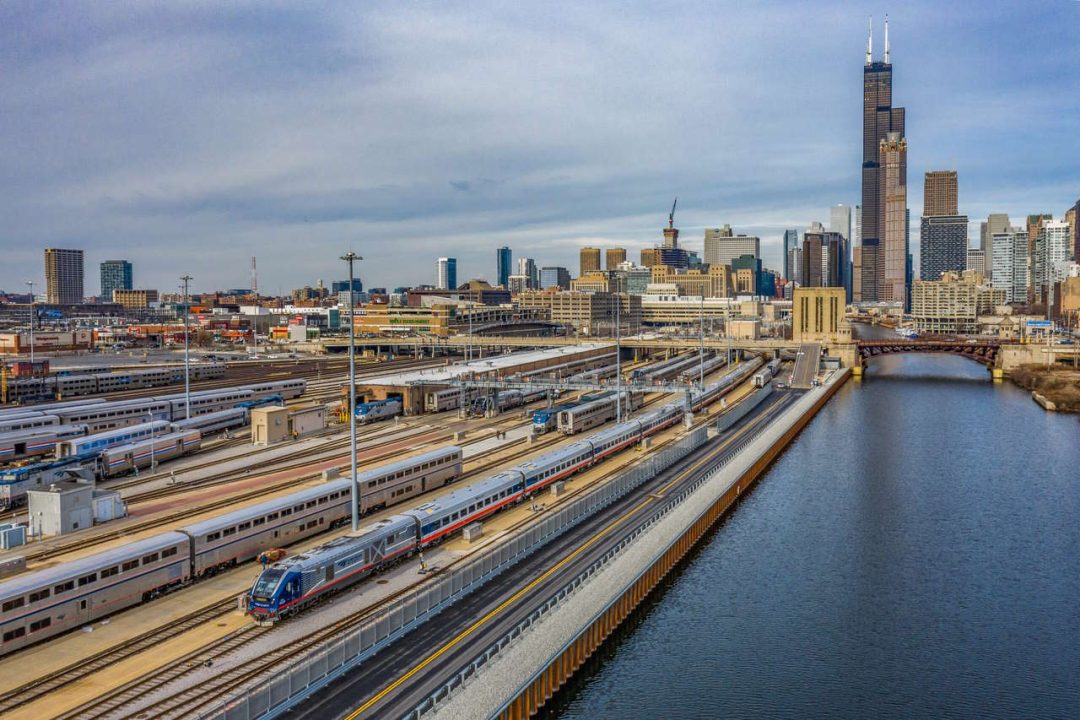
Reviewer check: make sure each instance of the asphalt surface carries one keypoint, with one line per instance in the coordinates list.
(806, 365)
(400, 676)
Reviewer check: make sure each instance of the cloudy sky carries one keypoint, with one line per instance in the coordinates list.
(190, 136)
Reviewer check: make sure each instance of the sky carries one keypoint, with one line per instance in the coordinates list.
(188, 137)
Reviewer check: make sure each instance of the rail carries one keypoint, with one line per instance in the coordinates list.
(318, 668)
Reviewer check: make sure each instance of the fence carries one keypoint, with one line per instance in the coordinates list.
(319, 667)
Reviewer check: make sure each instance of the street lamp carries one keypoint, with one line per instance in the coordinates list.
(187, 353)
(350, 258)
(153, 462)
(31, 284)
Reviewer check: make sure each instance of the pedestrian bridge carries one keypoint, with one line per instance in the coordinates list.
(981, 351)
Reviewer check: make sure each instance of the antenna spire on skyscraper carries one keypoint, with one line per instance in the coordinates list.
(870, 40)
(886, 38)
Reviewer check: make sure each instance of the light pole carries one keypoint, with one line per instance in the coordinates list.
(153, 463)
(618, 358)
(701, 333)
(350, 258)
(187, 353)
(31, 284)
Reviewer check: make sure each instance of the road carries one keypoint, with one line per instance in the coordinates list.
(402, 675)
(806, 365)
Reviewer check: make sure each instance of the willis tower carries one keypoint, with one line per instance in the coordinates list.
(880, 120)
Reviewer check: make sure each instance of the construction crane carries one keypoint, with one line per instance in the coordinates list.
(671, 215)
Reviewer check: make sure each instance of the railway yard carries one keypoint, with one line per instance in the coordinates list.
(192, 631)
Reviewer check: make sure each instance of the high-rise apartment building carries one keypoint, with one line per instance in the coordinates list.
(1053, 249)
(613, 257)
(503, 260)
(1011, 271)
(995, 224)
(63, 276)
(1034, 225)
(1076, 231)
(554, 277)
(823, 259)
(893, 230)
(446, 272)
(590, 260)
(721, 249)
(940, 193)
(115, 275)
(943, 246)
(976, 262)
(856, 230)
(791, 240)
(880, 119)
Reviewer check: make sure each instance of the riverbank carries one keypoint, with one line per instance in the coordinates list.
(1057, 385)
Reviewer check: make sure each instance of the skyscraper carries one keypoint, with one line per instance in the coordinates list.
(1010, 270)
(721, 249)
(115, 275)
(613, 257)
(1053, 248)
(879, 119)
(893, 228)
(791, 240)
(589, 260)
(1034, 225)
(840, 220)
(940, 194)
(503, 259)
(527, 267)
(995, 224)
(554, 277)
(63, 276)
(446, 268)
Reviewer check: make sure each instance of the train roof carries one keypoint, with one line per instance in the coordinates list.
(465, 495)
(156, 424)
(556, 456)
(345, 544)
(127, 447)
(408, 462)
(267, 506)
(39, 431)
(15, 473)
(212, 416)
(49, 407)
(26, 582)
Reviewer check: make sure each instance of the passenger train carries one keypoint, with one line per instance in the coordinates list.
(43, 603)
(122, 459)
(766, 374)
(291, 584)
(78, 384)
(597, 412)
(24, 444)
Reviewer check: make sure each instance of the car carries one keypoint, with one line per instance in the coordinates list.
(780, 385)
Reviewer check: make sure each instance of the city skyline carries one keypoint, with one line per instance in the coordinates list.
(270, 157)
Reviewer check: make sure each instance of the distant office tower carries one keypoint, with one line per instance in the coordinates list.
(447, 272)
(650, 257)
(748, 274)
(795, 264)
(940, 194)
(879, 119)
(63, 276)
(503, 259)
(976, 261)
(614, 257)
(1034, 225)
(892, 274)
(115, 275)
(527, 267)
(840, 220)
(554, 277)
(856, 232)
(823, 259)
(590, 260)
(1076, 231)
(721, 249)
(340, 286)
(1010, 270)
(791, 240)
(712, 243)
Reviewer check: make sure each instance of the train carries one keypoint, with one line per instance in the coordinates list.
(122, 459)
(762, 378)
(216, 421)
(449, 398)
(377, 410)
(100, 416)
(596, 412)
(705, 368)
(665, 369)
(44, 603)
(505, 400)
(80, 384)
(289, 585)
(33, 442)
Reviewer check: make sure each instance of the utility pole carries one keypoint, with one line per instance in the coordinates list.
(187, 351)
(31, 284)
(701, 333)
(350, 258)
(618, 358)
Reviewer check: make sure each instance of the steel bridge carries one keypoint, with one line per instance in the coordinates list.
(981, 351)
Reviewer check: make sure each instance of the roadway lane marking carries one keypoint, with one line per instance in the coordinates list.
(552, 570)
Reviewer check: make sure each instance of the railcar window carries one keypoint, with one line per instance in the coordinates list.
(64, 587)
(258, 521)
(151, 558)
(309, 504)
(210, 537)
(12, 604)
(39, 624)
(244, 526)
(129, 565)
(229, 531)
(272, 516)
(287, 511)
(169, 552)
(39, 595)
(14, 634)
(109, 572)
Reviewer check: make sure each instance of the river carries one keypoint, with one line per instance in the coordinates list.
(914, 553)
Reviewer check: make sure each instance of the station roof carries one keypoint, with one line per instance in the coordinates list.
(442, 375)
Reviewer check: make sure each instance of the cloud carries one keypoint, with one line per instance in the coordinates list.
(189, 137)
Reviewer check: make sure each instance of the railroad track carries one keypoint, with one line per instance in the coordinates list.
(102, 660)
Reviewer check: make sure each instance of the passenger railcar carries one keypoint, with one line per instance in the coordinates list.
(40, 604)
(215, 421)
(27, 423)
(127, 458)
(109, 416)
(706, 368)
(22, 444)
(448, 399)
(399, 481)
(96, 442)
(597, 412)
(287, 389)
(16, 481)
(46, 408)
(208, 403)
